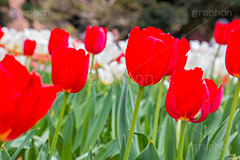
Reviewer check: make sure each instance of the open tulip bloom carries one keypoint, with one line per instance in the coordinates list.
(24, 101)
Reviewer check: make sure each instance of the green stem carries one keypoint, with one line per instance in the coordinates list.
(230, 121)
(214, 60)
(55, 137)
(90, 77)
(134, 119)
(155, 124)
(181, 140)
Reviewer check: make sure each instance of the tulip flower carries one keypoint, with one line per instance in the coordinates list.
(147, 55)
(232, 61)
(188, 96)
(58, 39)
(1, 33)
(95, 39)
(70, 69)
(69, 73)
(216, 94)
(29, 47)
(221, 33)
(187, 99)
(179, 58)
(24, 99)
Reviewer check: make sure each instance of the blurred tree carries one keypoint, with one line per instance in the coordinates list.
(3, 12)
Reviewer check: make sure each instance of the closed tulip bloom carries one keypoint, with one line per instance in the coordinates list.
(234, 24)
(24, 99)
(232, 59)
(179, 58)
(188, 97)
(221, 33)
(147, 55)
(58, 38)
(70, 69)
(29, 47)
(216, 94)
(95, 39)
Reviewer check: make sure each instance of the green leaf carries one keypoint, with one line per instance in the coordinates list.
(90, 155)
(197, 137)
(67, 141)
(25, 141)
(149, 153)
(170, 139)
(122, 114)
(162, 137)
(123, 147)
(4, 154)
(190, 155)
(108, 150)
(202, 149)
(89, 112)
(99, 123)
(142, 141)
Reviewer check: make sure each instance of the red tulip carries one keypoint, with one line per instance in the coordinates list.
(24, 100)
(188, 97)
(70, 69)
(29, 47)
(148, 54)
(179, 58)
(95, 39)
(232, 59)
(221, 33)
(216, 94)
(234, 24)
(1, 33)
(58, 39)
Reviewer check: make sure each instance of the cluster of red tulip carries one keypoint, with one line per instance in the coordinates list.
(151, 54)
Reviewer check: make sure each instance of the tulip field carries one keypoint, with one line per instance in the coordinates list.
(150, 97)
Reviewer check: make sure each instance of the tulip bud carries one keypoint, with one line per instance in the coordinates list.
(70, 69)
(95, 39)
(29, 47)
(58, 39)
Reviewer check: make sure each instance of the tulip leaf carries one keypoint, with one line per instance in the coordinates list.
(90, 155)
(202, 149)
(89, 112)
(190, 155)
(162, 137)
(150, 152)
(25, 141)
(100, 122)
(170, 139)
(123, 147)
(4, 153)
(115, 111)
(67, 141)
(108, 150)
(142, 141)
(122, 114)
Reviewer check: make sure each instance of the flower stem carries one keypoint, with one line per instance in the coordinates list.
(55, 137)
(155, 124)
(134, 119)
(90, 77)
(230, 121)
(214, 60)
(181, 141)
